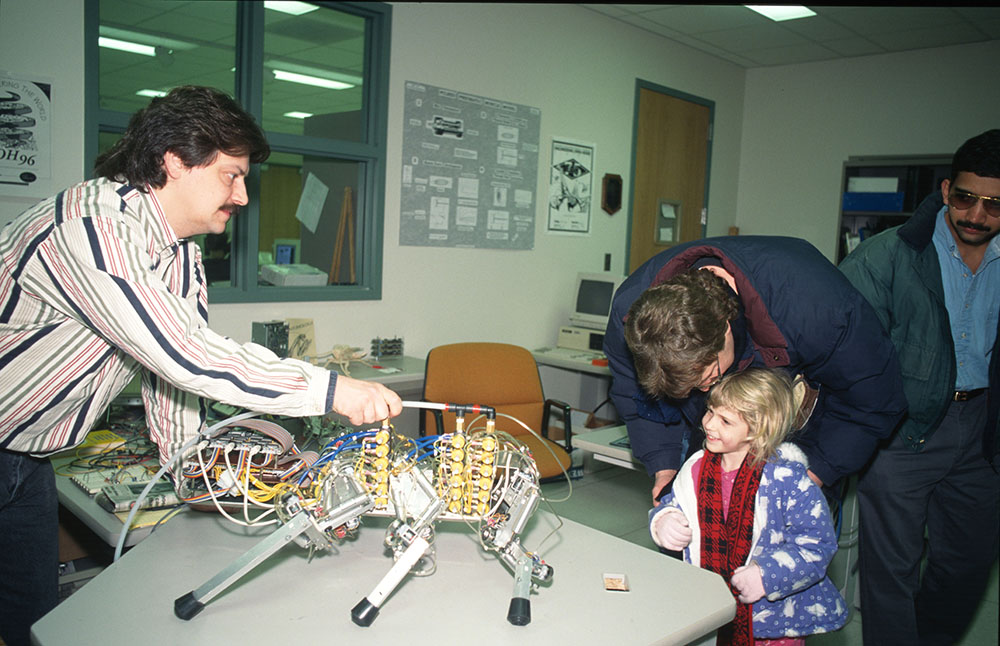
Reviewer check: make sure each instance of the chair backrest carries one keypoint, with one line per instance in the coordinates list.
(500, 375)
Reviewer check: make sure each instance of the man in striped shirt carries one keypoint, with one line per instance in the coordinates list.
(102, 282)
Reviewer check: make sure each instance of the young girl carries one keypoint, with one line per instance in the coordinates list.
(744, 507)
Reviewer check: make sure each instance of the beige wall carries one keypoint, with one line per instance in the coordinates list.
(780, 137)
(801, 122)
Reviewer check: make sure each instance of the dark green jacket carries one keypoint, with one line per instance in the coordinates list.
(898, 272)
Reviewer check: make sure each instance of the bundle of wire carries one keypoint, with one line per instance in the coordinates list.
(245, 478)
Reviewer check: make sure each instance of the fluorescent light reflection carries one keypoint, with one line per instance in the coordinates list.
(151, 93)
(306, 79)
(297, 115)
(126, 46)
(290, 7)
(780, 12)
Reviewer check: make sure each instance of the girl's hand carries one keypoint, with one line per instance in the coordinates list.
(749, 582)
(671, 530)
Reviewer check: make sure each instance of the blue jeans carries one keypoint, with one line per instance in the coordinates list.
(29, 544)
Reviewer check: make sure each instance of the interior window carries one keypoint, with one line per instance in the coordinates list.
(315, 75)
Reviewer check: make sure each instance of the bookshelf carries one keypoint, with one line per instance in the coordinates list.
(882, 191)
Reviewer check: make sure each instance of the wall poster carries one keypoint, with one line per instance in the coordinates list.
(25, 136)
(470, 170)
(571, 180)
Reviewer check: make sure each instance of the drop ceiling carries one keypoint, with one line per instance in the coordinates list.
(741, 36)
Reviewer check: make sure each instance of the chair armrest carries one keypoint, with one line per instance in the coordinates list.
(438, 422)
(567, 422)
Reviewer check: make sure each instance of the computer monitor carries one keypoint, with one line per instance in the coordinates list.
(286, 251)
(592, 299)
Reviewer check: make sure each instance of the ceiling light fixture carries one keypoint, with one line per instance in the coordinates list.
(290, 7)
(323, 73)
(143, 38)
(126, 46)
(305, 79)
(297, 115)
(779, 12)
(151, 93)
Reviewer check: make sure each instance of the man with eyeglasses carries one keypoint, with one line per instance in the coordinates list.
(935, 284)
(713, 306)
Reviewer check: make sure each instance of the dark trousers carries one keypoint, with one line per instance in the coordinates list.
(949, 493)
(29, 544)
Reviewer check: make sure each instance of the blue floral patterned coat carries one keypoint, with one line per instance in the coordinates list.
(793, 543)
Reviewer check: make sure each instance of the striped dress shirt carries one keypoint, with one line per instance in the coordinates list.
(95, 287)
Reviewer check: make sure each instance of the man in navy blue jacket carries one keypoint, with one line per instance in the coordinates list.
(702, 309)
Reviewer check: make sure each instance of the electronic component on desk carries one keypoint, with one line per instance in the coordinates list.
(241, 439)
(121, 497)
(387, 347)
(93, 481)
(577, 338)
(592, 299)
(293, 275)
(273, 335)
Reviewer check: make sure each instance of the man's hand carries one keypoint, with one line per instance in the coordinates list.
(364, 402)
(671, 530)
(814, 478)
(749, 582)
(661, 480)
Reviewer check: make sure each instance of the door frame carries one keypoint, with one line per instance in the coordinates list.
(640, 85)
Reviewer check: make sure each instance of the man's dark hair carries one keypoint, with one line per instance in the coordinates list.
(677, 329)
(979, 156)
(195, 123)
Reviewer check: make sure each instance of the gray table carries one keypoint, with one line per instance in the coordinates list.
(290, 599)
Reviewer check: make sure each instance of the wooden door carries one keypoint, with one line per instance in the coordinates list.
(671, 155)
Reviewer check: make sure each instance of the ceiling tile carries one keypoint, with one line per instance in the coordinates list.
(940, 36)
(854, 46)
(743, 39)
(818, 28)
(698, 19)
(889, 19)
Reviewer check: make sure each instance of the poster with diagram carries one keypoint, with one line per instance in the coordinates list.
(470, 170)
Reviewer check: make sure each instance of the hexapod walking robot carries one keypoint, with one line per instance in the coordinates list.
(483, 477)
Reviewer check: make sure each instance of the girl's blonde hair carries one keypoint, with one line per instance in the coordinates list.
(763, 398)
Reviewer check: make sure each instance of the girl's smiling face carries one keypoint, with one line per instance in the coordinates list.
(726, 433)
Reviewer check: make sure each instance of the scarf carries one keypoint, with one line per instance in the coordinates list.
(725, 541)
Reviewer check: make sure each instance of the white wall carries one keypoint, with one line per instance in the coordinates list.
(801, 122)
(781, 135)
(577, 66)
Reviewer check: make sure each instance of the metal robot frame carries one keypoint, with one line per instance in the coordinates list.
(484, 476)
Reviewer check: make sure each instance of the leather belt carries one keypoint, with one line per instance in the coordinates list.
(966, 395)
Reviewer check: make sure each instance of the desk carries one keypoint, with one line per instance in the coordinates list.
(288, 598)
(408, 382)
(579, 360)
(599, 442)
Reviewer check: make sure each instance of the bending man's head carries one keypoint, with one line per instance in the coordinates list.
(676, 331)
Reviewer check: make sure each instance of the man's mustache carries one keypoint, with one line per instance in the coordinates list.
(971, 225)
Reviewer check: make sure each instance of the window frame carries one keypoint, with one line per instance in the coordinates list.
(369, 152)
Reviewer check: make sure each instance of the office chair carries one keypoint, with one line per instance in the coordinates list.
(505, 377)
